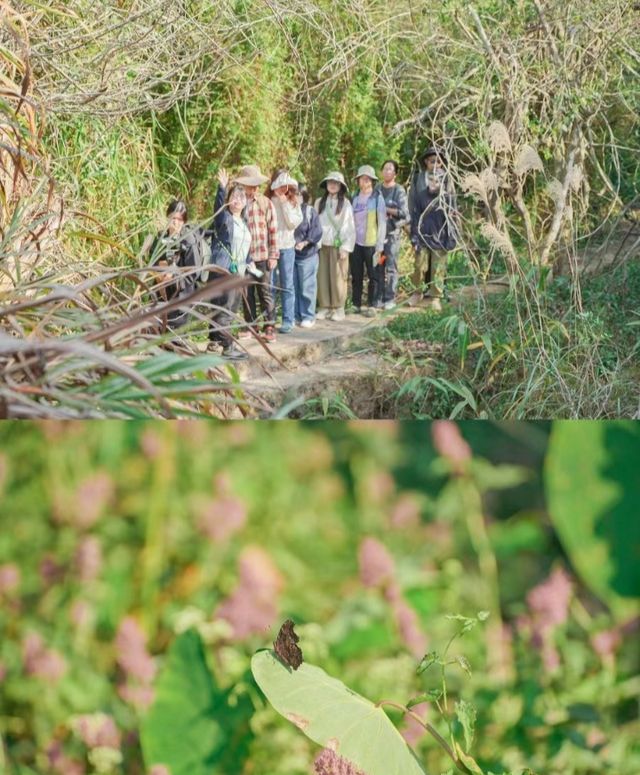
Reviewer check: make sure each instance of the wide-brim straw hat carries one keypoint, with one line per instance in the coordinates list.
(284, 179)
(367, 170)
(250, 175)
(337, 177)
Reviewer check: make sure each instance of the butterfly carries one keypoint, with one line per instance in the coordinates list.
(285, 646)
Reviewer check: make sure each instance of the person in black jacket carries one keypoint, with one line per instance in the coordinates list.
(432, 208)
(173, 252)
(230, 253)
(307, 237)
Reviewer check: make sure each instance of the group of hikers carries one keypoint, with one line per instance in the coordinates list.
(282, 243)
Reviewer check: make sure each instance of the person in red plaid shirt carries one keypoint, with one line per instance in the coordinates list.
(261, 219)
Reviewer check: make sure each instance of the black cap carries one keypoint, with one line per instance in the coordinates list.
(433, 150)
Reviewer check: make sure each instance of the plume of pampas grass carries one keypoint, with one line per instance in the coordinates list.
(498, 137)
(489, 179)
(555, 190)
(497, 239)
(527, 159)
(472, 184)
(575, 178)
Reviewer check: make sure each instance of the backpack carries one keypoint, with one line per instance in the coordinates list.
(199, 239)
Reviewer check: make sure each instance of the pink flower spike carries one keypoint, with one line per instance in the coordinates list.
(328, 762)
(9, 577)
(376, 564)
(449, 443)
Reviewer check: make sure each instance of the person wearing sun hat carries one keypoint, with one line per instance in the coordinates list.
(261, 218)
(338, 238)
(283, 192)
(370, 217)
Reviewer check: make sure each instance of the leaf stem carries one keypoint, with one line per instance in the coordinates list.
(430, 729)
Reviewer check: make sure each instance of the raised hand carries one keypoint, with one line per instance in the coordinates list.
(223, 177)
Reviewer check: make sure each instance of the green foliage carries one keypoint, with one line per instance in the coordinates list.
(304, 497)
(194, 727)
(593, 489)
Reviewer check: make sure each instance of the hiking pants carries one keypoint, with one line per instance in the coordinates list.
(333, 273)
(262, 289)
(430, 271)
(387, 273)
(360, 260)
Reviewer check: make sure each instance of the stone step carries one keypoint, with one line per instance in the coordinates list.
(351, 374)
(305, 346)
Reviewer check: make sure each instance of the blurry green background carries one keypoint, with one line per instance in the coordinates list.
(117, 537)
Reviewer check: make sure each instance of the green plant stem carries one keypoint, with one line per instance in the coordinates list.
(481, 543)
(430, 729)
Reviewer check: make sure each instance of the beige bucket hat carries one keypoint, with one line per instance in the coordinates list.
(337, 177)
(284, 179)
(367, 170)
(250, 175)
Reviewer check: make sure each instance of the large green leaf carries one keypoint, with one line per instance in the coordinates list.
(193, 727)
(592, 483)
(334, 716)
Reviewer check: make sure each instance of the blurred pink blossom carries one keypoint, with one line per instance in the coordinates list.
(9, 577)
(151, 443)
(159, 769)
(137, 664)
(409, 628)
(607, 642)
(51, 571)
(139, 695)
(91, 499)
(88, 558)
(328, 762)
(131, 652)
(97, 730)
(405, 512)
(81, 613)
(221, 517)
(376, 564)
(252, 606)
(41, 662)
(549, 608)
(449, 443)
(549, 600)
(378, 486)
(411, 729)
(60, 763)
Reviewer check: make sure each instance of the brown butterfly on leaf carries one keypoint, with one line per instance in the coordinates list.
(285, 646)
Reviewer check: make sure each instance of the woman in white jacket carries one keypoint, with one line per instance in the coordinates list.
(284, 195)
(338, 240)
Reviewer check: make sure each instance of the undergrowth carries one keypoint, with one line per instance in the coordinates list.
(508, 356)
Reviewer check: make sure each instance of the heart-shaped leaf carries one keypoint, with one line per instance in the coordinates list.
(334, 716)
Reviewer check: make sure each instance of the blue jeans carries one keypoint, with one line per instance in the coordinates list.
(285, 283)
(305, 279)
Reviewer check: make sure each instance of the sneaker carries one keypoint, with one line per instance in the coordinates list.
(370, 312)
(390, 305)
(414, 299)
(356, 310)
(435, 304)
(285, 328)
(322, 314)
(244, 333)
(213, 347)
(269, 334)
(307, 323)
(232, 353)
(338, 314)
